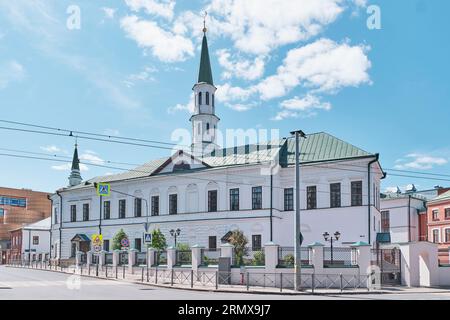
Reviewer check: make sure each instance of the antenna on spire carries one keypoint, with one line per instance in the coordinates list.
(76, 141)
(204, 22)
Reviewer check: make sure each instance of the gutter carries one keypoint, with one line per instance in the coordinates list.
(51, 223)
(409, 218)
(60, 225)
(271, 207)
(369, 165)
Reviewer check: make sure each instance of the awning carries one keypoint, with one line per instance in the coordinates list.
(81, 237)
(383, 237)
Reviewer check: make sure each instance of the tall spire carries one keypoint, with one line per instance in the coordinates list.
(205, 73)
(75, 176)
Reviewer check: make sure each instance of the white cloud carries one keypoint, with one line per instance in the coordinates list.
(92, 157)
(258, 28)
(68, 167)
(143, 76)
(226, 93)
(323, 65)
(109, 12)
(162, 8)
(240, 107)
(11, 71)
(111, 132)
(301, 107)
(420, 162)
(51, 149)
(189, 107)
(165, 45)
(240, 68)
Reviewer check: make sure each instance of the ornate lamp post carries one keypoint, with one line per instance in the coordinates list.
(331, 238)
(175, 234)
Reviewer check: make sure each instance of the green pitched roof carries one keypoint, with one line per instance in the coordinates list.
(205, 73)
(444, 196)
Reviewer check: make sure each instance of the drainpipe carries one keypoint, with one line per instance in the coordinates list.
(271, 207)
(60, 225)
(377, 156)
(409, 218)
(51, 224)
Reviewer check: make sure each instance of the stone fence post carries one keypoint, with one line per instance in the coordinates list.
(131, 259)
(171, 257)
(89, 257)
(78, 258)
(151, 257)
(362, 256)
(317, 256)
(196, 256)
(271, 257)
(101, 258)
(116, 258)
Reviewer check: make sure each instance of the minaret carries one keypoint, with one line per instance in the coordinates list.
(75, 176)
(204, 120)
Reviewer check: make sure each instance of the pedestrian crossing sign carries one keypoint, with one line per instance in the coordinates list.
(147, 237)
(103, 189)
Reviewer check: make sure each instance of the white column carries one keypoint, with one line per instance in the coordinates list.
(131, 259)
(89, 257)
(116, 257)
(363, 256)
(171, 257)
(78, 258)
(101, 258)
(271, 256)
(226, 250)
(196, 256)
(150, 257)
(317, 257)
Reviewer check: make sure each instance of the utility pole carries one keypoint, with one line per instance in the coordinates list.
(297, 243)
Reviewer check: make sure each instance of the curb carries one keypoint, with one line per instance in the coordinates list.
(218, 290)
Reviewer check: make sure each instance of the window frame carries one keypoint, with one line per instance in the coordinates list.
(35, 240)
(214, 247)
(122, 205)
(137, 207)
(335, 196)
(212, 201)
(106, 213)
(311, 197)
(435, 214)
(357, 193)
(385, 226)
(73, 213)
(155, 205)
(437, 235)
(288, 199)
(234, 199)
(256, 239)
(173, 204)
(257, 193)
(86, 211)
(447, 213)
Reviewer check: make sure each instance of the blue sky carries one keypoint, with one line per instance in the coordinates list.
(315, 65)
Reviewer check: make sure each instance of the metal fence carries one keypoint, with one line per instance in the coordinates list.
(339, 257)
(95, 259)
(141, 258)
(108, 258)
(248, 257)
(210, 256)
(183, 257)
(123, 258)
(83, 258)
(160, 258)
(286, 257)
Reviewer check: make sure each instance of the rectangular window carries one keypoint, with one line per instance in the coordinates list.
(137, 244)
(212, 242)
(436, 235)
(85, 211)
(173, 204)
(256, 242)
(435, 215)
(14, 202)
(385, 221)
(289, 199)
(234, 199)
(311, 197)
(73, 250)
(335, 195)
(122, 208)
(106, 245)
(356, 187)
(212, 201)
(155, 205)
(35, 240)
(107, 210)
(447, 213)
(256, 198)
(447, 235)
(56, 215)
(73, 213)
(137, 207)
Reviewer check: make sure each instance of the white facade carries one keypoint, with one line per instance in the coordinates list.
(36, 237)
(403, 211)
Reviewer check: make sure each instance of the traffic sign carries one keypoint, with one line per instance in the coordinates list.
(97, 239)
(147, 237)
(103, 189)
(124, 242)
(97, 249)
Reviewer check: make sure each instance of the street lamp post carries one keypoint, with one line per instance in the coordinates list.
(330, 239)
(297, 243)
(175, 234)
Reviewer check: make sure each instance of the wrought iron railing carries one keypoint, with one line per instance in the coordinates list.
(183, 257)
(83, 258)
(286, 256)
(210, 256)
(108, 258)
(160, 258)
(339, 257)
(248, 257)
(123, 258)
(141, 258)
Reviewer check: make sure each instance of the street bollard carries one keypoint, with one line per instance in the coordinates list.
(171, 278)
(192, 278)
(123, 272)
(340, 276)
(142, 277)
(96, 271)
(116, 272)
(217, 280)
(281, 282)
(156, 275)
(147, 272)
(106, 271)
(248, 282)
(313, 282)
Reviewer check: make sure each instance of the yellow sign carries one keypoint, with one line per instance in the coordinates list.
(97, 240)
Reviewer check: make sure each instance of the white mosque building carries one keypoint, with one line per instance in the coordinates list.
(208, 192)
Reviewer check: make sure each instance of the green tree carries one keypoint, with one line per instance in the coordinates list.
(118, 238)
(239, 242)
(259, 258)
(158, 240)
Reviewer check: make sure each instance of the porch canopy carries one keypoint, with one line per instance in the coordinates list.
(80, 237)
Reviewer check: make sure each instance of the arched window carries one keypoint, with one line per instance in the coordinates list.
(207, 126)
(199, 98)
(207, 98)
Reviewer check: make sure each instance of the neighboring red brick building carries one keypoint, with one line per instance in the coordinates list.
(438, 221)
(19, 207)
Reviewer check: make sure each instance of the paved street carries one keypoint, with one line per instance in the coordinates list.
(34, 284)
